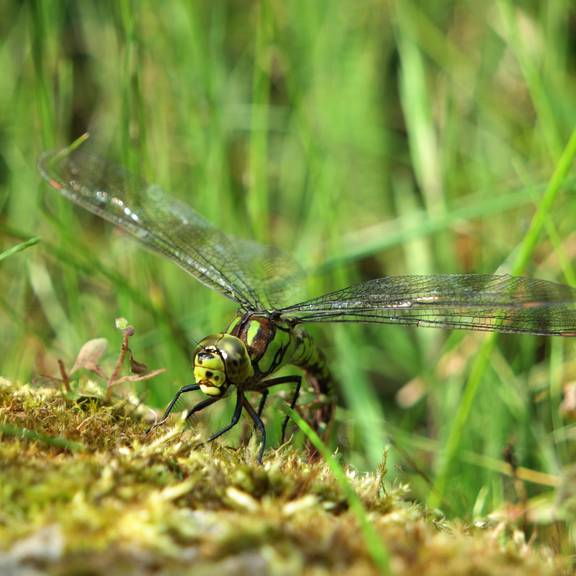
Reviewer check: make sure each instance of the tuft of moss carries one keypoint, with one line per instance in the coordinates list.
(84, 490)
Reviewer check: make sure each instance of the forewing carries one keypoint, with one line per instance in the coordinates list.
(278, 277)
(168, 226)
(471, 301)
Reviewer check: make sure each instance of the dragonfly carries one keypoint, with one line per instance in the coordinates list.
(269, 329)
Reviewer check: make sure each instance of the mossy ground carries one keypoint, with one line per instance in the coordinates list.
(85, 491)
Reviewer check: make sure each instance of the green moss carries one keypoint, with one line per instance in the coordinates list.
(107, 499)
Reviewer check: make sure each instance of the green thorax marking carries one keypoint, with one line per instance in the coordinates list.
(272, 343)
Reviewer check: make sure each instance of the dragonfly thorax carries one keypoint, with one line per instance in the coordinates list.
(221, 360)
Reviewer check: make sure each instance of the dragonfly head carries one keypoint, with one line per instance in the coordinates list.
(219, 361)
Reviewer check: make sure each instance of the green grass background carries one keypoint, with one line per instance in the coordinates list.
(366, 138)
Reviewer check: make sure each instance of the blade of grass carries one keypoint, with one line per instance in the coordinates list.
(374, 543)
(134, 121)
(44, 100)
(548, 117)
(359, 394)
(539, 220)
(32, 435)
(19, 247)
(258, 199)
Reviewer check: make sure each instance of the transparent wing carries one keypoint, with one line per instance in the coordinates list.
(257, 277)
(471, 301)
(277, 277)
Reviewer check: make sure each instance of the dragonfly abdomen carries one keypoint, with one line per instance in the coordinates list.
(312, 360)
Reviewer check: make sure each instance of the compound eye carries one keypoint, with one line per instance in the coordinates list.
(203, 356)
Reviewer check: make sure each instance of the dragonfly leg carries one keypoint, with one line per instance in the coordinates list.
(183, 390)
(262, 401)
(257, 424)
(201, 406)
(233, 422)
(297, 380)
